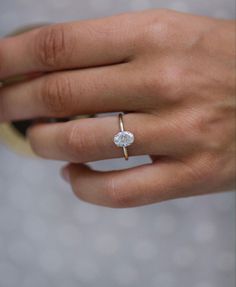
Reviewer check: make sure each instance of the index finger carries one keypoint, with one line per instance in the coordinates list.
(69, 45)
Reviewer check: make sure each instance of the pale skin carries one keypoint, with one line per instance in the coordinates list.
(172, 73)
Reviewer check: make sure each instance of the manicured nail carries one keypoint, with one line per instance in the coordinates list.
(65, 174)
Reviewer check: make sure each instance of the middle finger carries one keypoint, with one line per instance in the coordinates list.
(62, 94)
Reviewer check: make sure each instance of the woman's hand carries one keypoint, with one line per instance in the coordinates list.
(173, 73)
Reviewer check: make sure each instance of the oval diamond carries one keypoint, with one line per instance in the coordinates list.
(123, 139)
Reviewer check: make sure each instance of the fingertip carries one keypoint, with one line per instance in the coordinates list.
(71, 171)
(33, 129)
(65, 174)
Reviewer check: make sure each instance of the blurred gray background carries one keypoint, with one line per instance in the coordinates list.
(48, 238)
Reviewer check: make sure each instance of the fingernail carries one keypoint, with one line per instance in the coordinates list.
(65, 174)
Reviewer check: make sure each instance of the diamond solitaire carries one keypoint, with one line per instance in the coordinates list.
(123, 139)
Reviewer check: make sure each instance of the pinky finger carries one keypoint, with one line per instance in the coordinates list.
(132, 187)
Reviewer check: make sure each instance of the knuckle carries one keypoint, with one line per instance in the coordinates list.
(56, 95)
(152, 84)
(79, 141)
(151, 89)
(53, 46)
(168, 83)
(204, 124)
(205, 168)
(160, 31)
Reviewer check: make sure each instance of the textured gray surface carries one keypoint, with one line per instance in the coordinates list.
(48, 238)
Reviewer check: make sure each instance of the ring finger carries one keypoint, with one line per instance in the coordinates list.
(88, 140)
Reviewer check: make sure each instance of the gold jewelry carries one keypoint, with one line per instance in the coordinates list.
(124, 138)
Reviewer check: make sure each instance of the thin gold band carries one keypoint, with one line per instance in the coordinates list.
(121, 123)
